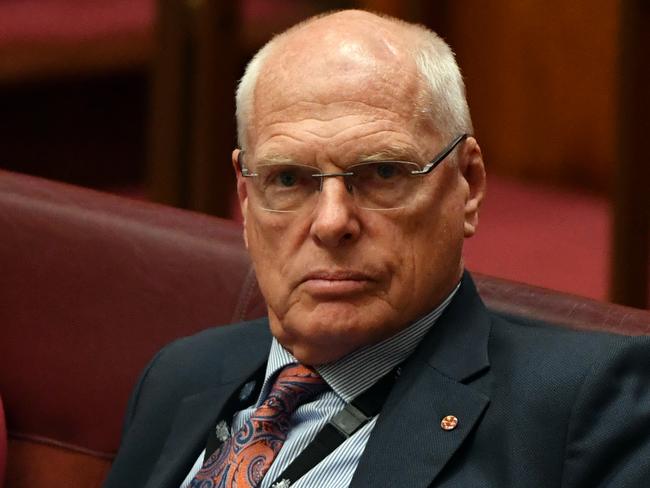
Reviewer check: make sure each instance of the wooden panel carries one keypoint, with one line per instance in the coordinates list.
(541, 82)
(170, 116)
(217, 52)
(39, 60)
(45, 40)
(404, 9)
(192, 125)
(631, 236)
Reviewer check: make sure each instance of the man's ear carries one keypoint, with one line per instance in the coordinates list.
(472, 170)
(242, 194)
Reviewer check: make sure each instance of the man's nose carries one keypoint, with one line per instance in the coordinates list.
(335, 220)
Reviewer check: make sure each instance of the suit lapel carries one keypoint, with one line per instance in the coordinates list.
(194, 419)
(408, 446)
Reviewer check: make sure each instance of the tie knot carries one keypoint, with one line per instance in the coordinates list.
(295, 385)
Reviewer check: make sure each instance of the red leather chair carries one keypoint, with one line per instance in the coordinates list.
(91, 285)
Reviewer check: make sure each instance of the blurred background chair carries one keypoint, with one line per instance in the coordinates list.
(93, 284)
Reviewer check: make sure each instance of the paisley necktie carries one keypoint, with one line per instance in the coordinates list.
(243, 459)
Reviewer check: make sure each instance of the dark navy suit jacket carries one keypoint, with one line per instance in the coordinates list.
(538, 406)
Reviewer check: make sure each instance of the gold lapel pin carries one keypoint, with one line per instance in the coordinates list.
(449, 422)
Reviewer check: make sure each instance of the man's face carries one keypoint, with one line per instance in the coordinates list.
(337, 277)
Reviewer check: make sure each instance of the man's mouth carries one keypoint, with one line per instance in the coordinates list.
(335, 283)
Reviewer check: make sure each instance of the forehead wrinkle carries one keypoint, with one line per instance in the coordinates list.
(392, 153)
(343, 131)
(320, 111)
(272, 120)
(296, 130)
(399, 149)
(275, 158)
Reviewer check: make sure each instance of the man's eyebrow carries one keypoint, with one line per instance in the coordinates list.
(396, 153)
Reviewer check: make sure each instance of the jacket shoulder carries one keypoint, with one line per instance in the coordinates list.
(228, 342)
(551, 363)
(197, 362)
(556, 340)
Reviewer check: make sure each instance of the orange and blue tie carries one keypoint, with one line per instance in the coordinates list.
(243, 459)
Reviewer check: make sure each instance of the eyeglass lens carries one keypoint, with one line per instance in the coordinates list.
(373, 185)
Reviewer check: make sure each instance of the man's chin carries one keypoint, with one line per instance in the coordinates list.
(328, 333)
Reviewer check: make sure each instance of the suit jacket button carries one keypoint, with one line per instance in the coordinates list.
(449, 422)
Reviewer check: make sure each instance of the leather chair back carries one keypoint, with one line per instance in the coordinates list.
(91, 286)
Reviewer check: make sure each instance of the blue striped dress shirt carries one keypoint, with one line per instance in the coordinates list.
(347, 378)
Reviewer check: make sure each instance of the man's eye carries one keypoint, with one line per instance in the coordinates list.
(386, 170)
(286, 178)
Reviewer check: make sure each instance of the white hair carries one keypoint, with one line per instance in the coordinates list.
(444, 101)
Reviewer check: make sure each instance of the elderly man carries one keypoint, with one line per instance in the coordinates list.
(378, 365)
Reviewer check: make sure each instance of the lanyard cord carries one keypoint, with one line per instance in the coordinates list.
(343, 425)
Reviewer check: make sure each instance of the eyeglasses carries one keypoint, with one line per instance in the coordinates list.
(374, 185)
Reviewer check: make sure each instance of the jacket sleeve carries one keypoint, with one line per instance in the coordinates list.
(132, 405)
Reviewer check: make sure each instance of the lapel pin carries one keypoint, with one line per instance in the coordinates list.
(449, 422)
(246, 390)
(222, 431)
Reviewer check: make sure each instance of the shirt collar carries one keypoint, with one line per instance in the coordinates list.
(355, 373)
